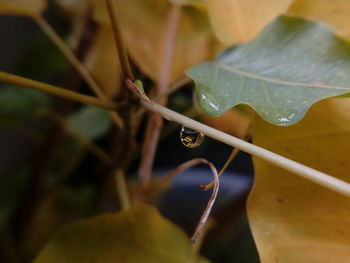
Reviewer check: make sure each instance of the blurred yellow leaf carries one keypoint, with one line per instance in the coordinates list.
(292, 219)
(144, 26)
(43, 224)
(238, 21)
(138, 235)
(102, 59)
(76, 11)
(335, 13)
(232, 122)
(22, 7)
(103, 63)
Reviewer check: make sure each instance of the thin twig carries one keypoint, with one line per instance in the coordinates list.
(69, 54)
(155, 121)
(63, 93)
(311, 174)
(173, 87)
(122, 189)
(233, 155)
(121, 50)
(306, 172)
(127, 73)
(91, 145)
(208, 208)
(196, 246)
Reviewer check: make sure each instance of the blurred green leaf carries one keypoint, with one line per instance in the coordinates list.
(139, 234)
(91, 122)
(50, 62)
(12, 187)
(23, 103)
(291, 65)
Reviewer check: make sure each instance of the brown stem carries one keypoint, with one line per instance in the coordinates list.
(75, 61)
(232, 156)
(155, 121)
(34, 192)
(205, 215)
(60, 92)
(121, 50)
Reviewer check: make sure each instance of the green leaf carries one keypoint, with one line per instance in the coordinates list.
(139, 234)
(291, 65)
(17, 102)
(12, 188)
(91, 122)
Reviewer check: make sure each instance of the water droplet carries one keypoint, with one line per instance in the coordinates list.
(190, 138)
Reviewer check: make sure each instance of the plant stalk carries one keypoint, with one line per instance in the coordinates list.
(311, 174)
(121, 50)
(63, 93)
(306, 172)
(68, 53)
(122, 189)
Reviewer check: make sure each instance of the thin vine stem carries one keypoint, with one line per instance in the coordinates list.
(306, 172)
(232, 156)
(84, 140)
(283, 162)
(68, 53)
(51, 89)
(205, 215)
(122, 189)
(119, 43)
(155, 121)
(173, 87)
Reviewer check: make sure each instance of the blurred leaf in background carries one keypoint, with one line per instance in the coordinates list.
(91, 122)
(18, 104)
(22, 7)
(239, 21)
(144, 22)
(334, 13)
(139, 234)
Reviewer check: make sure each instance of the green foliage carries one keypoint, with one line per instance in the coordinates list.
(24, 103)
(291, 65)
(12, 187)
(91, 122)
(140, 234)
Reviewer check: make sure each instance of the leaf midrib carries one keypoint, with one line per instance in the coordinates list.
(277, 81)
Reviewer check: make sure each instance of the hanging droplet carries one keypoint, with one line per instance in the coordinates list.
(190, 138)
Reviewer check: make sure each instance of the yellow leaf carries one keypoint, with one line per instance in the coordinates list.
(335, 13)
(292, 219)
(232, 122)
(103, 63)
(138, 235)
(22, 7)
(43, 224)
(144, 27)
(238, 21)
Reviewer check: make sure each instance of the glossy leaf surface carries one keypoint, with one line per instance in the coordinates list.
(291, 65)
